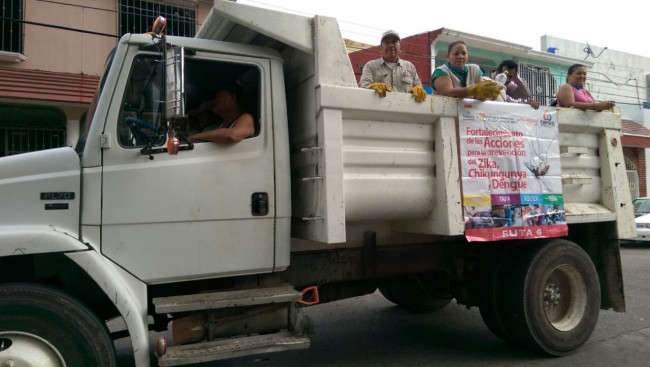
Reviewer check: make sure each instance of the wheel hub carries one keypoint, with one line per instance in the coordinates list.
(552, 294)
(564, 298)
(19, 349)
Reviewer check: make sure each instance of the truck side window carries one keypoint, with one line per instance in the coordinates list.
(142, 119)
(202, 77)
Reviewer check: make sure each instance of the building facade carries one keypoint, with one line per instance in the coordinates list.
(52, 54)
(624, 78)
(612, 76)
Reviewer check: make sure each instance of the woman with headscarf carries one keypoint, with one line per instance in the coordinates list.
(457, 78)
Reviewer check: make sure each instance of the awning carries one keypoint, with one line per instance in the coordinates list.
(635, 135)
(47, 85)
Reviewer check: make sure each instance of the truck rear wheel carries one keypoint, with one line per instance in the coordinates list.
(45, 327)
(552, 298)
(491, 295)
(416, 294)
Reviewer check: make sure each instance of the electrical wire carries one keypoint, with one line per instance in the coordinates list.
(61, 27)
(136, 10)
(77, 6)
(418, 47)
(414, 54)
(340, 21)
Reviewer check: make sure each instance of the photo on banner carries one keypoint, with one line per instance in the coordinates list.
(511, 174)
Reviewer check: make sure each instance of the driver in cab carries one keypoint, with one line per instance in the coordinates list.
(235, 124)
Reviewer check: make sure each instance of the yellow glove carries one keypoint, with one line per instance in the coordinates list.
(486, 89)
(380, 88)
(419, 93)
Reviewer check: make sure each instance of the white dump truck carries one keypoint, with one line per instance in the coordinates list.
(338, 193)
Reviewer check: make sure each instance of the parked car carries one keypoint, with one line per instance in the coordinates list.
(642, 228)
(641, 206)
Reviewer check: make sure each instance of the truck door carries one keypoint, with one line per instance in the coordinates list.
(206, 212)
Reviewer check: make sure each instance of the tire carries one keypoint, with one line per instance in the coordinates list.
(491, 295)
(415, 294)
(38, 321)
(385, 291)
(553, 297)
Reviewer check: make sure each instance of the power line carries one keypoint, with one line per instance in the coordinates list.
(339, 20)
(413, 55)
(61, 27)
(119, 12)
(310, 14)
(78, 6)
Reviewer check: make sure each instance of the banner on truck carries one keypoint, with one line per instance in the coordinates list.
(511, 175)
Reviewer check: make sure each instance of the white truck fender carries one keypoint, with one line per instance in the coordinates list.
(128, 294)
(29, 240)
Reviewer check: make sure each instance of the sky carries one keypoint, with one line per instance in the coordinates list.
(620, 25)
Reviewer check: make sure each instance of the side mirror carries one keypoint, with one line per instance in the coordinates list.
(174, 95)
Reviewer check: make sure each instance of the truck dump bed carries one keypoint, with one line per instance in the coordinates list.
(356, 158)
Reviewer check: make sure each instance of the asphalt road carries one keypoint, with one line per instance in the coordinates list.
(371, 331)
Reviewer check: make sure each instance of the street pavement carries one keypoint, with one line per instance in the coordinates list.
(371, 331)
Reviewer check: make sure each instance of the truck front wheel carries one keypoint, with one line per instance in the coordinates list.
(45, 327)
(552, 297)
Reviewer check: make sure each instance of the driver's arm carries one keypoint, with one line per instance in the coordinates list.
(243, 129)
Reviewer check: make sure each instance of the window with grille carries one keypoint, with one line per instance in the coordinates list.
(29, 128)
(11, 15)
(137, 16)
(541, 82)
(632, 178)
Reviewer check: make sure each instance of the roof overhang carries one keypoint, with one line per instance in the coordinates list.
(38, 85)
(635, 135)
(475, 41)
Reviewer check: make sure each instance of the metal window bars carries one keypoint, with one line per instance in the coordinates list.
(137, 16)
(541, 82)
(22, 140)
(11, 26)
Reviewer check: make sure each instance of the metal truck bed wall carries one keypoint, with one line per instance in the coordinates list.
(357, 158)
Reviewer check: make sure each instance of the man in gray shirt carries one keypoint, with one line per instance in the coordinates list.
(390, 73)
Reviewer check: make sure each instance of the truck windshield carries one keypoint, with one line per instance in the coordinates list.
(85, 128)
(142, 120)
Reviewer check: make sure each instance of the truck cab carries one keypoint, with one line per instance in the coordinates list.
(172, 207)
